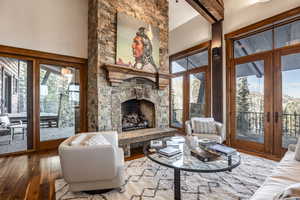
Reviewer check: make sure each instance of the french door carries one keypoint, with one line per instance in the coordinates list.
(265, 101)
(251, 103)
(286, 98)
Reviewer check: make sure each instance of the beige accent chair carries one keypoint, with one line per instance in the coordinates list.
(206, 128)
(96, 166)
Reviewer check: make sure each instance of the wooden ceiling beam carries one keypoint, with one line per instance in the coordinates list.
(211, 10)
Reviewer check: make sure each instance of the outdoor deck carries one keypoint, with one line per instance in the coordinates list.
(20, 144)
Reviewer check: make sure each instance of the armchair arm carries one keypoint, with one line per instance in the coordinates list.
(188, 128)
(88, 163)
(221, 130)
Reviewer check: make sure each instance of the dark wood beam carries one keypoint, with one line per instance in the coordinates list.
(217, 71)
(211, 10)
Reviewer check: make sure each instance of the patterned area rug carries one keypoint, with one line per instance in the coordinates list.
(146, 180)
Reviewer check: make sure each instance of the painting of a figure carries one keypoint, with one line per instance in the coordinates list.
(137, 44)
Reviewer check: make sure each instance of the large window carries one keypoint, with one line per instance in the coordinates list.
(264, 82)
(190, 87)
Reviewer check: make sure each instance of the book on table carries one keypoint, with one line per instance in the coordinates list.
(222, 149)
(169, 151)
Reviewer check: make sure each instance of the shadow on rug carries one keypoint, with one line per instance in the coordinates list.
(147, 180)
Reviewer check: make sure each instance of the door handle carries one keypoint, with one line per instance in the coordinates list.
(276, 116)
(268, 116)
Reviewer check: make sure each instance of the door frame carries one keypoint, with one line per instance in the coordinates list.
(35, 57)
(268, 108)
(43, 145)
(288, 50)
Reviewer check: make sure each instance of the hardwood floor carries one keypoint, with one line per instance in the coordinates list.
(32, 176)
(29, 176)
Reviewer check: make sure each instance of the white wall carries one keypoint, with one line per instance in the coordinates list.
(56, 26)
(240, 13)
(195, 31)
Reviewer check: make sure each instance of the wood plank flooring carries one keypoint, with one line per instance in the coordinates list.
(32, 176)
(29, 176)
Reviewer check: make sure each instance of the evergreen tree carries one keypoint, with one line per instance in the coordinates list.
(243, 95)
(243, 103)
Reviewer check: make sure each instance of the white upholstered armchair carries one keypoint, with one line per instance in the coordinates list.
(206, 128)
(92, 161)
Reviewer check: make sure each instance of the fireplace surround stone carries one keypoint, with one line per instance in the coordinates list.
(104, 100)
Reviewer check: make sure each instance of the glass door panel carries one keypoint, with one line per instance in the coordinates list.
(177, 102)
(290, 116)
(59, 102)
(15, 105)
(249, 100)
(197, 91)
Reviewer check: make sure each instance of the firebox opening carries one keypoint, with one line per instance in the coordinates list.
(137, 114)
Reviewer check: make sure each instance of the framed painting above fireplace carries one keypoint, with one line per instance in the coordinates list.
(137, 44)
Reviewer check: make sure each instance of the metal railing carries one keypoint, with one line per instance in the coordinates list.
(253, 123)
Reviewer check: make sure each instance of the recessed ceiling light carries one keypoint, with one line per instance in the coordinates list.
(262, 1)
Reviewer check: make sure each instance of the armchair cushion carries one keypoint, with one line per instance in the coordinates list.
(77, 140)
(97, 140)
(204, 125)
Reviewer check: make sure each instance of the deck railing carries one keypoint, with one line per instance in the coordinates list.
(253, 123)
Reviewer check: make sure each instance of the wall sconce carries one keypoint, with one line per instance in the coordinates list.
(217, 52)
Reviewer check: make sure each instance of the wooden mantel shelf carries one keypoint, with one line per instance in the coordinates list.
(118, 73)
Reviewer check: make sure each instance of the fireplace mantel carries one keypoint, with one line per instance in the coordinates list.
(118, 73)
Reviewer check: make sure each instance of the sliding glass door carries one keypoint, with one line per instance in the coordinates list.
(59, 102)
(15, 105)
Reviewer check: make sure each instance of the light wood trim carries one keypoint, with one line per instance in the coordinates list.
(41, 55)
(190, 51)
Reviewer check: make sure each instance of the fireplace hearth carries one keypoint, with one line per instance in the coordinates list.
(137, 114)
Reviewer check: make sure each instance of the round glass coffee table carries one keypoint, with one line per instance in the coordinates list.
(186, 162)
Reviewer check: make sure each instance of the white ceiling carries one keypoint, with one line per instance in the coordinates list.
(180, 13)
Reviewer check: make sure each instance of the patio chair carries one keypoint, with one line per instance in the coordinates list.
(6, 123)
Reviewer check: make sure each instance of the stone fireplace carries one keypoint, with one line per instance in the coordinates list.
(111, 88)
(138, 95)
(137, 114)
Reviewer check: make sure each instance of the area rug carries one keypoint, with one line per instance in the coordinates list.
(146, 180)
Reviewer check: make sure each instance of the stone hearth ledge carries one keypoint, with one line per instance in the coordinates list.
(143, 135)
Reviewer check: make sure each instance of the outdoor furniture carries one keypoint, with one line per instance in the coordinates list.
(186, 162)
(46, 119)
(206, 128)
(5, 131)
(7, 124)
